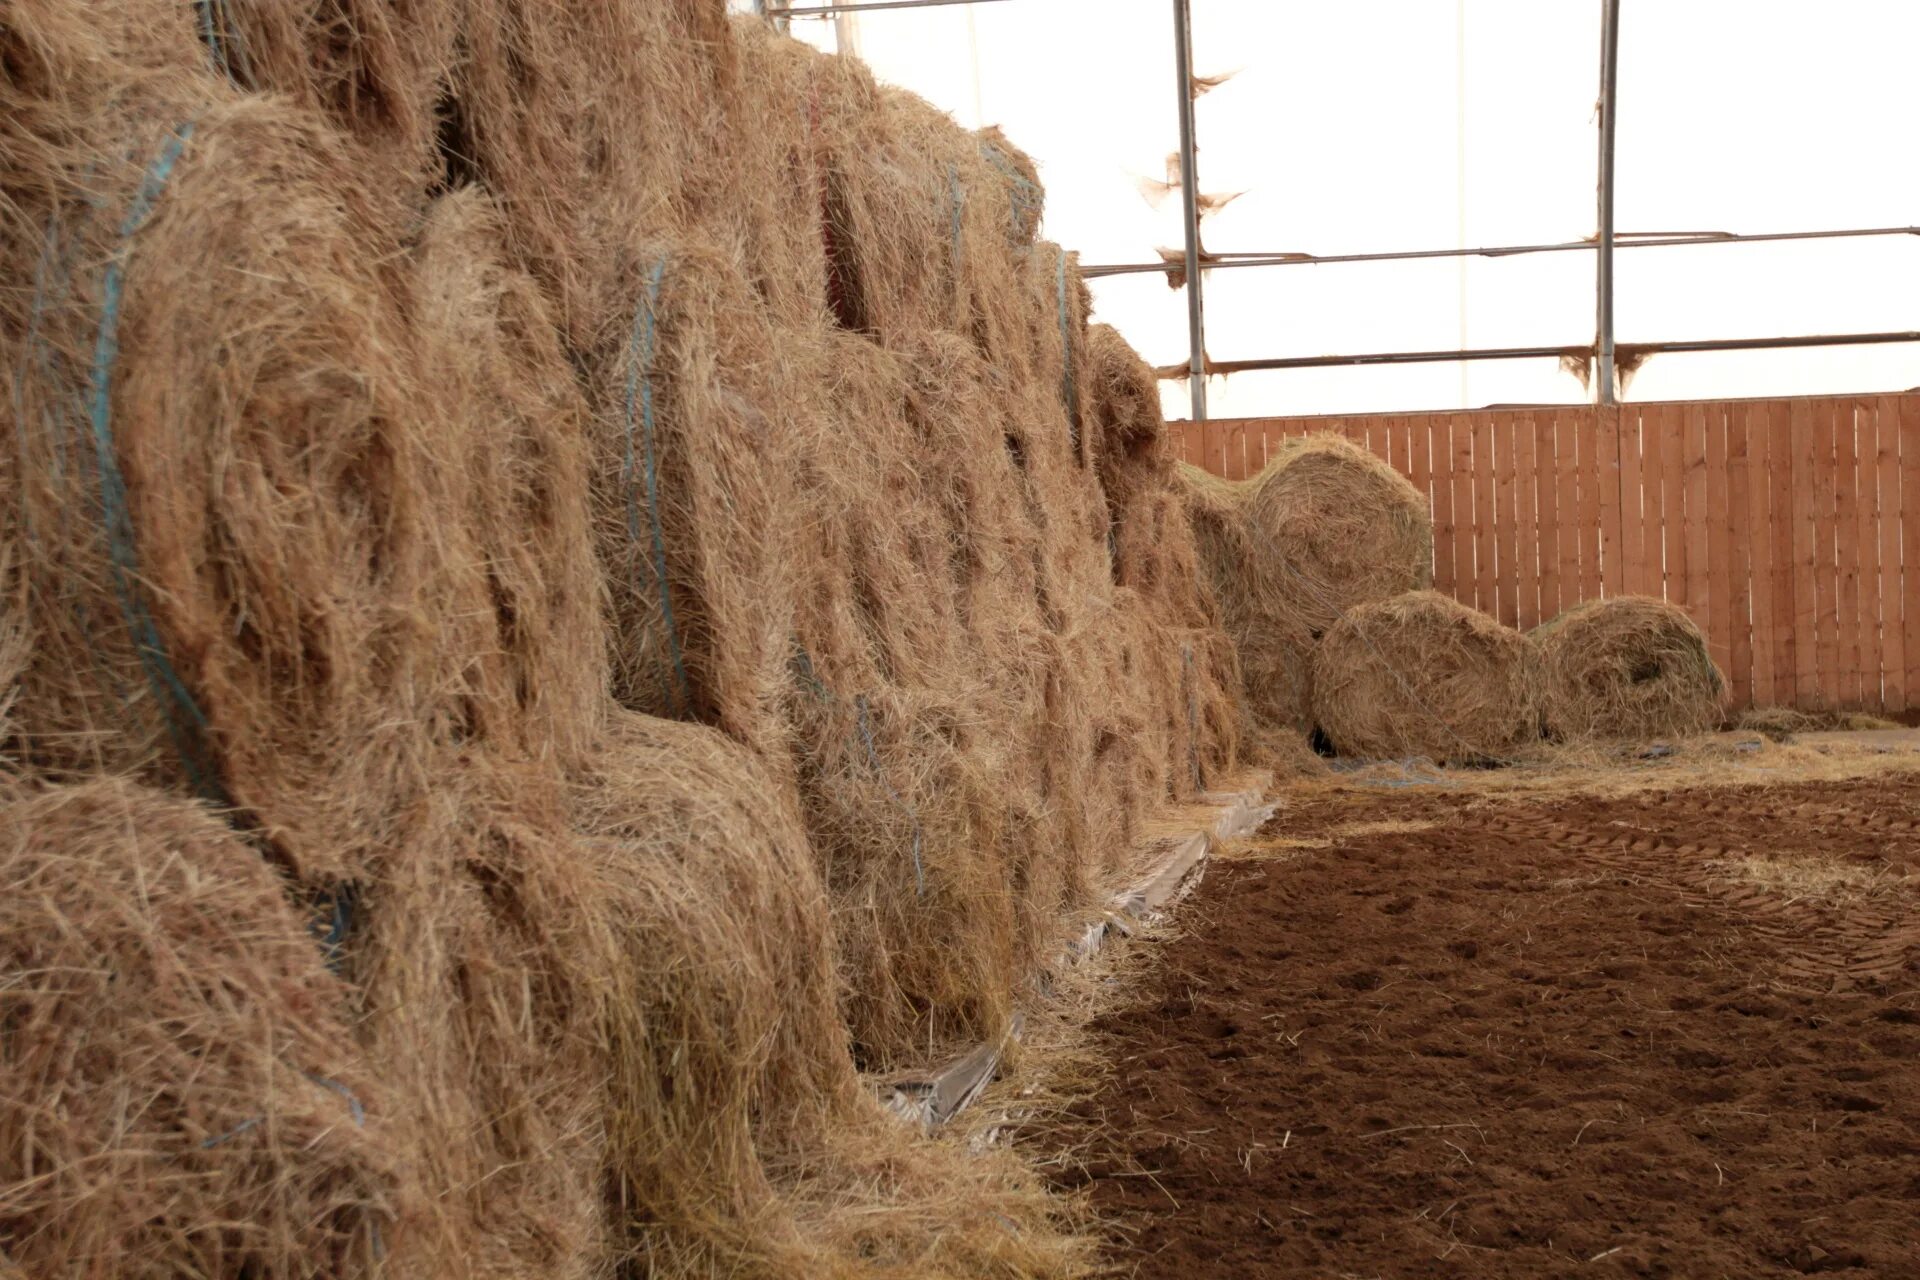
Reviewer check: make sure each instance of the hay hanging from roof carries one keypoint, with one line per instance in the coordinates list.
(1424, 675)
(1628, 667)
(181, 1092)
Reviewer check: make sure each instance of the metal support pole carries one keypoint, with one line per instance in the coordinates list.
(1604, 382)
(1190, 211)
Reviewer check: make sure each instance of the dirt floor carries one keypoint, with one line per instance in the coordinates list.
(1421, 1030)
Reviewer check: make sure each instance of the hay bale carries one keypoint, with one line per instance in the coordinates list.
(1424, 675)
(741, 1139)
(182, 1094)
(1628, 667)
(1332, 527)
(1324, 527)
(1130, 447)
(230, 521)
(586, 122)
(696, 408)
(479, 952)
(520, 461)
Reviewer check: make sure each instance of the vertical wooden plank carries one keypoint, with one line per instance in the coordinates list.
(1190, 450)
(1734, 534)
(1787, 517)
(1806, 601)
(1697, 600)
(1893, 647)
(1846, 541)
(1526, 521)
(1653, 472)
(1606, 451)
(1486, 519)
(1440, 474)
(1466, 579)
(1719, 568)
(1566, 431)
(1633, 533)
(1592, 472)
(1759, 547)
(1377, 438)
(1547, 472)
(1673, 507)
(1506, 543)
(1910, 540)
(1825, 562)
(1419, 471)
(1866, 536)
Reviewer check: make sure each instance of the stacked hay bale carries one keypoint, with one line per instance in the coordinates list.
(415, 405)
(1628, 667)
(1324, 527)
(1423, 675)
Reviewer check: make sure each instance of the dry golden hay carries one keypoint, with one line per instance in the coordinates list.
(519, 449)
(586, 122)
(1628, 667)
(479, 951)
(1782, 723)
(1423, 675)
(1130, 447)
(865, 203)
(230, 537)
(179, 1091)
(741, 1139)
(1332, 527)
(697, 410)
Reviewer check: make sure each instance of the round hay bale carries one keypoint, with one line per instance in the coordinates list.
(231, 532)
(1332, 527)
(182, 1092)
(1423, 675)
(522, 473)
(695, 403)
(1628, 667)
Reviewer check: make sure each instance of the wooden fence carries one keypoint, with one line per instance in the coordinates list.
(1788, 529)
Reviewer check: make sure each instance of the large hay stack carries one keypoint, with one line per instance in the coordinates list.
(1423, 675)
(412, 402)
(1628, 667)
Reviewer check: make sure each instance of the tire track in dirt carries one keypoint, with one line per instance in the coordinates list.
(1862, 942)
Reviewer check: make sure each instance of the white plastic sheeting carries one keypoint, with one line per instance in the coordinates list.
(1419, 124)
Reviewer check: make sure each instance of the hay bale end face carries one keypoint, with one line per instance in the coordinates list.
(1629, 667)
(182, 1095)
(1334, 527)
(1424, 675)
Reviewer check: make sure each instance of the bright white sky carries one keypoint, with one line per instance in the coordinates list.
(1374, 125)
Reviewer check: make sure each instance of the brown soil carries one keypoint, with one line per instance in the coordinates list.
(1427, 1034)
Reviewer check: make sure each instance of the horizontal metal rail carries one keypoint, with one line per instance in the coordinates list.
(1624, 240)
(828, 10)
(1628, 351)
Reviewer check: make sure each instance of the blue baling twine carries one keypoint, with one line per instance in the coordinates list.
(217, 38)
(186, 725)
(959, 202)
(354, 1109)
(873, 762)
(640, 385)
(1068, 391)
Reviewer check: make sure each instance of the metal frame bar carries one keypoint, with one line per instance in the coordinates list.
(1622, 240)
(1605, 386)
(829, 10)
(1190, 212)
(1634, 350)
